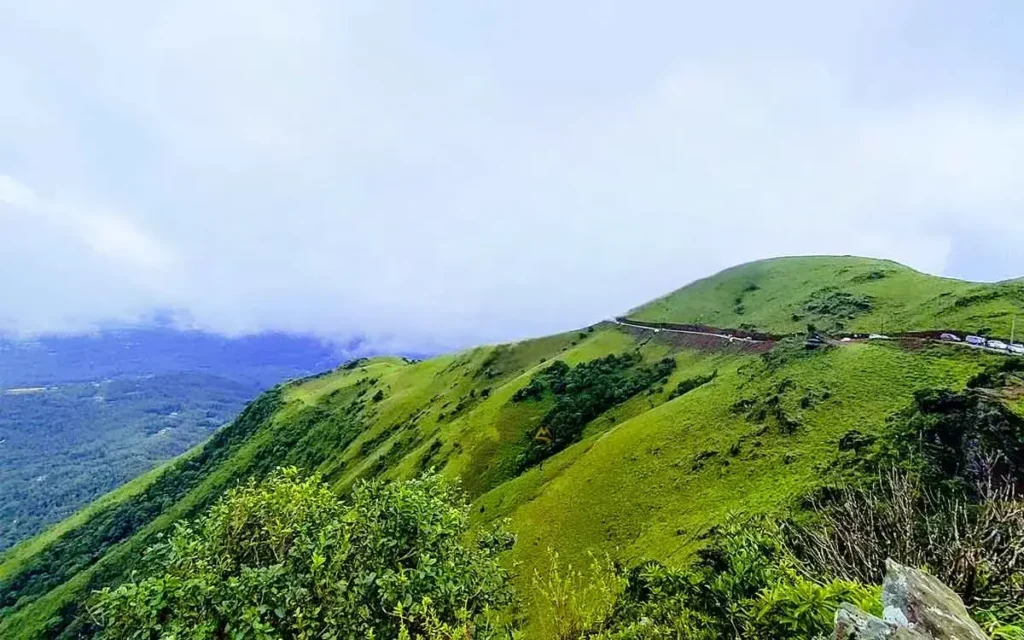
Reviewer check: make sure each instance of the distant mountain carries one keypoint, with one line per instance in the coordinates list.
(613, 439)
(82, 415)
(265, 358)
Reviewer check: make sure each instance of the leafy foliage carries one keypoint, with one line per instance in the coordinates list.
(286, 558)
(584, 392)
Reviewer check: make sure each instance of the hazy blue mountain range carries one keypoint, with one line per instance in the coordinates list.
(82, 415)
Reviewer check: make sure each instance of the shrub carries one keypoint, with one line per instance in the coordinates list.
(690, 384)
(286, 559)
(977, 548)
(746, 583)
(575, 604)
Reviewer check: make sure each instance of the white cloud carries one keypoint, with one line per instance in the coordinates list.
(484, 172)
(110, 236)
(15, 195)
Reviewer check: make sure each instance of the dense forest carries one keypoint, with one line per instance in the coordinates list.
(64, 445)
(82, 415)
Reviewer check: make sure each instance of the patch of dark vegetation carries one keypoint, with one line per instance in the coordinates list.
(977, 298)
(488, 368)
(464, 403)
(961, 437)
(368, 446)
(854, 440)
(394, 453)
(769, 406)
(737, 305)
(584, 392)
(690, 384)
(701, 459)
(785, 352)
(870, 276)
(353, 364)
(1008, 371)
(377, 397)
(813, 397)
(429, 458)
(832, 307)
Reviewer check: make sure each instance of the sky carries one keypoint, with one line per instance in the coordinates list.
(436, 175)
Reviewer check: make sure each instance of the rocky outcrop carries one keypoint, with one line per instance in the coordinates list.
(916, 606)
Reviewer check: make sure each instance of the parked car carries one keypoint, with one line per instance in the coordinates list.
(949, 337)
(977, 341)
(1017, 348)
(877, 336)
(998, 344)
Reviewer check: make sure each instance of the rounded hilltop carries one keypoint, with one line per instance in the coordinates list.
(840, 293)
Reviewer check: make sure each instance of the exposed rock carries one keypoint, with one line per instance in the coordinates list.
(854, 624)
(916, 607)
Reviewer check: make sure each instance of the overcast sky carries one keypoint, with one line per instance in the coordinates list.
(436, 174)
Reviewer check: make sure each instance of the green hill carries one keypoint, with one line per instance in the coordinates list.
(845, 293)
(636, 447)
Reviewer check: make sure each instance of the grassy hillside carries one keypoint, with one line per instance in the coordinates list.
(846, 293)
(645, 478)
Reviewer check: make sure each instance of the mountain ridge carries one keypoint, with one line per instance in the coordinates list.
(672, 436)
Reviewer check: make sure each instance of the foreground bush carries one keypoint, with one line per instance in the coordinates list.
(746, 584)
(286, 558)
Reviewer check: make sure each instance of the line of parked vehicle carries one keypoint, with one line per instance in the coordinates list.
(977, 342)
(981, 342)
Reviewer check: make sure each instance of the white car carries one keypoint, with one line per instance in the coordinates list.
(977, 341)
(998, 344)
(1017, 348)
(877, 336)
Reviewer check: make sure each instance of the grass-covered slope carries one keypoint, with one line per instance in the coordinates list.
(783, 295)
(726, 429)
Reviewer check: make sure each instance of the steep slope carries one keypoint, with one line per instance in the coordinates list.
(846, 293)
(650, 471)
